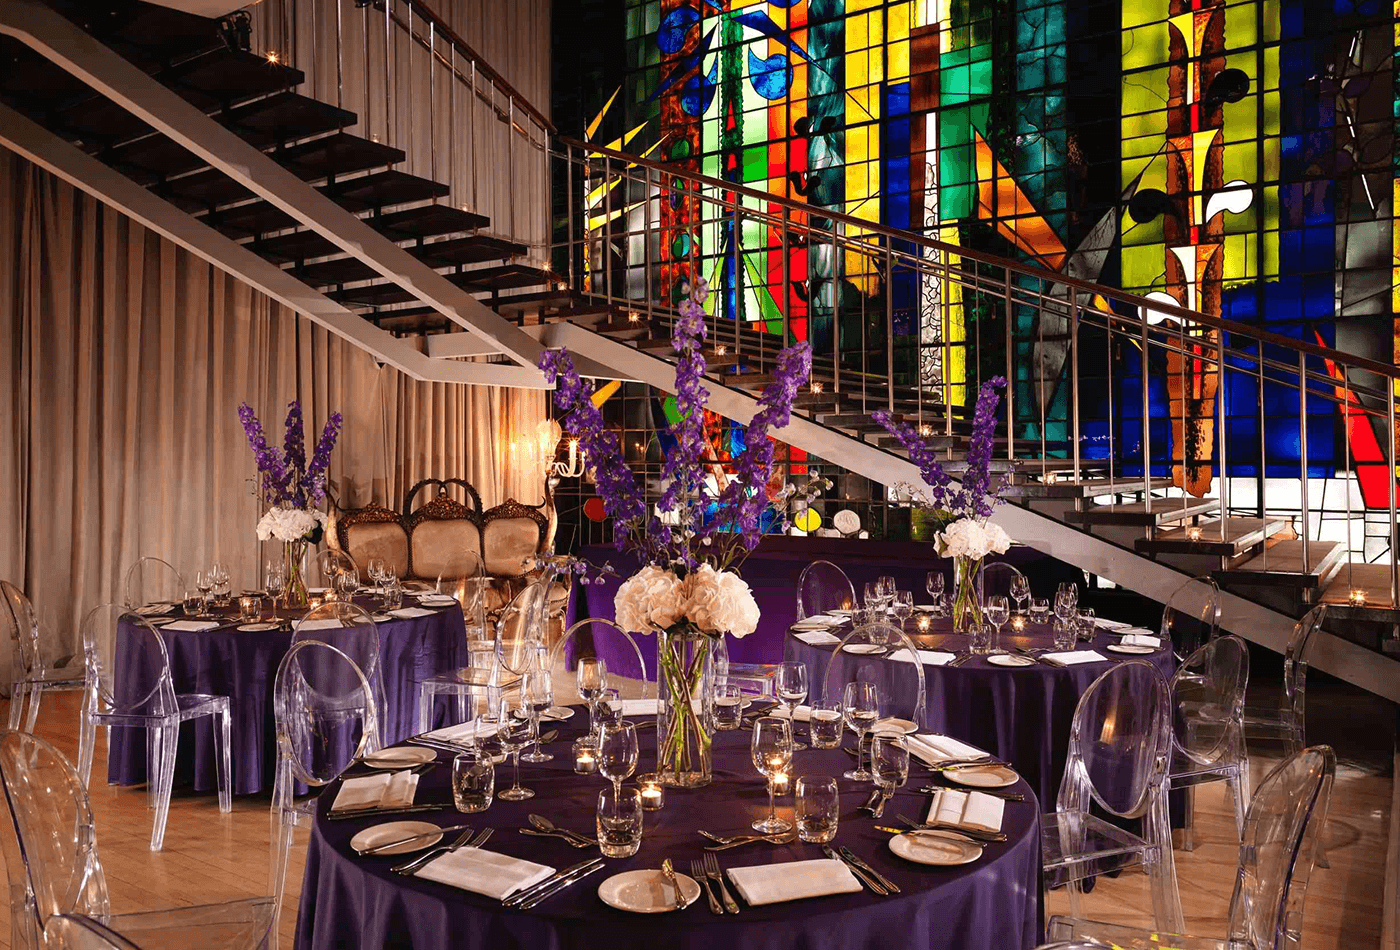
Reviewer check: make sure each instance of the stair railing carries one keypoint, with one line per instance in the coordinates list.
(1144, 396)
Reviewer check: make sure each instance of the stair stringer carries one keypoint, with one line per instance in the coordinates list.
(1123, 566)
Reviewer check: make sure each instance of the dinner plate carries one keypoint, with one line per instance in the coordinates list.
(892, 724)
(317, 590)
(1010, 659)
(942, 848)
(984, 776)
(399, 757)
(260, 625)
(381, 618)
(558, 713)
(646, 891)
(376, 835)
(1134, 649)
(437, 601)
(863, 648)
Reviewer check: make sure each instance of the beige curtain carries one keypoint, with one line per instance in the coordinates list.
(125, 359)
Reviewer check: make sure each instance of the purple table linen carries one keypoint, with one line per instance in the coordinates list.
(242, 665)
(353, 903)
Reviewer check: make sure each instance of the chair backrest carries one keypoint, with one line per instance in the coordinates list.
(995, 581)
(316, 684)
(50, 843)
(350, 629)
(78, 932)
(1295, 669)
(152, 580)
(1208, 698)
(902, 690)
(520, 628)
(1119, 742)
(1281, 831)
(332, 562)
(1191, 617)
(822, 587)
(23, 625)
(512, 537)
(600, 637)
(128, 669)
(468, 582)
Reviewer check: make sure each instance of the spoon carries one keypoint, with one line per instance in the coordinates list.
(545, 825)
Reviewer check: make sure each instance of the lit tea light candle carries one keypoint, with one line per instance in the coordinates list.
(585, 758)
(250, 608)
(780, 782)
(315, 600)
(1357, 597)
(653, 795)
(923, 623)
(1193, 533)
(1018, 623)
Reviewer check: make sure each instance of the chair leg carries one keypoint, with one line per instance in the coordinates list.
(17, 704)
(87, 741)
(167, 738)
(1161, 867)
(283, 833)
(35, 691)
(1188, 833)
(222, 724)
(1238, 784)
(1075, 890)
(425, 708)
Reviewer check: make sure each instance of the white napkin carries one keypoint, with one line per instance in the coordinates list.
(381, 790)
(484, 872)
(1141, 640)
(191, 625)
(818, 638)
(927, 657)
(934, 749)
(155, 610)
(968, 809)
(408, 613)
(1071, 657)
(1107, 624)
(464, 732)
(793, 880)
(800, 714)
(639, 707)
(327, 624)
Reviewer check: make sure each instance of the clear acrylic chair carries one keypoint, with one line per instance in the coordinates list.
(323, 725)
(1188, 621)
(902, 690)
(823, 587)
(995, 580)
(152, 580)
(1281, 835)
(350, 629)
(1119, 746)
(77, 932)
(469, 587)
(50, 850)
(592, 636)
(1287, 722)
(129, 685)
(31, 673)
(1208, 740)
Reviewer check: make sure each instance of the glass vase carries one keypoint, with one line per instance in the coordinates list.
(294, 589)
(685, 706)
(967, 607)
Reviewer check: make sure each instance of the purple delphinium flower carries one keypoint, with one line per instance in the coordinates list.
(286, 476)
(294, 451)
(314, 484)
(269, 462)
(682, 473)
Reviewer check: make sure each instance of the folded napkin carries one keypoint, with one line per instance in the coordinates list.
(408, 613)
(155, 610)
(818, 638)
(484, 872)
(816, 622)
(639, 707)
(381, 790)
(1071, 657)
(191, 625)
(927, 657)
(793, 880)
(327, 624)
(1141, 640)
(968, 809)
(925, 608)
(800, 714)
(464, 732)
(1107, 624)
(934, 749)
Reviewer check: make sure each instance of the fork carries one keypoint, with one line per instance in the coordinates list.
(697, 871)
(408, 867)
(713, 873)
(976, 834)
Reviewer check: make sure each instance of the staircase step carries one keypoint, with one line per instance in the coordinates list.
(855, 421)
(1281, 565)
(382, 190)
(255, 217)
(506, 277)
(1096, 487)
(338, 270)
(428, 221)
(340, 153)
(98, 117)
(1164, 511)
(1241, 534)
(293, 246)
(286, 117)
(1373, 580)
(223, 77)
(28, 79)
(419, 321)
(143, 32)
(472, 249)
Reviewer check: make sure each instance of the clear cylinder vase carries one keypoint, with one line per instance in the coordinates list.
(685, 706)
(294, 556)
(967, 608)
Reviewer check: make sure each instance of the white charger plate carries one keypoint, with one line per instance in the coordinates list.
(944, 849)
(399, 757)
(1010, 659)
(984, 776)
(646, 891)
(863, 648)
(906, 726)
(260, 625)
(558, 713)
(1132, 649)
(376, 835)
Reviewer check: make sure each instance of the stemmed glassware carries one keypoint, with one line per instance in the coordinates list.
(903, 605)
(1065, 609)
(998, 611)
(792, 689)
(379, 573)
(592, 678)
(517, 729)
(771, 749)
(272, 580)
(1070, 591)
(860, 706)
(617, 752)
(887, 587)
(204, 580)
(223, 587)
(1021, 592)
(537, 693)
(873, 596)
(933, 583)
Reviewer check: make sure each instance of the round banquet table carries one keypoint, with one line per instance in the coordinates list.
(1021, 714)
(357, 903)
(242, 665)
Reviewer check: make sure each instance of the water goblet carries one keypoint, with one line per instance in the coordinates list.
(473, 781)
(887, 587)
(889, 760)
(792, 689)
(1088, 626)
(617, 752)
(818, 808)
(997, 612)
(729, 707)
(516, 731)
(204, 580)
(1064, 607)
(1070, 590)
(223, 587)
(903, 605)
(609, 708)
(537, 692)
(1020, 592)
(771, 750)
(860, 707)
(619, 821)
(873, 595)
(193, 601)
(1040, 610)
(592, 678)
(933, 583)
(825, 724)
(393, 593)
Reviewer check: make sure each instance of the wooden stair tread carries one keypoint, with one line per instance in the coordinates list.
(471, 249)
(1282, 564)
(383, 189)
(1241, 534)
(285, 117)
(428, 221)
(1163, 511)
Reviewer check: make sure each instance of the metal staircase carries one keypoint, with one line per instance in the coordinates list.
(215, 147)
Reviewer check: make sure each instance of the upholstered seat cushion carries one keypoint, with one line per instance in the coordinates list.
(510, 545)
(384, 540)
(446, 548)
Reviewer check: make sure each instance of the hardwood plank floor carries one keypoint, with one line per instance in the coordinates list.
(211, 857)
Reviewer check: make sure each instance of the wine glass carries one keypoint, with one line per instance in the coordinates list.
(617, 752)
(375, 570)
(517, 729)
(223, 586)
(537, 693)
(771, 749)
(873, 596)
(860, 706)
(792, 689)
(903, 605)
(1065, 607)
(933, 583)
(592, 679)
(1069, 590)
(887, 587)
(272, 580)
(204, 580)
(998, 611)
(1020, 592)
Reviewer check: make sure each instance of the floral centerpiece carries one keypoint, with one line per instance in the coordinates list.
(961, 509)
(294, 487)
(688, 592)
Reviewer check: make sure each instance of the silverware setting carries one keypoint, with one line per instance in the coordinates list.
(544, 826)
(378, 848)
(977, 834)
(553, 886)
(950, 832)
(408, 867)
(713, 872)
(960, 659)
(526, 893)
(697, 871)
(669, 873)
(875, 805)
(870, 883)
(994, 793)
(885, 882)
(736, 841)
(375, 812)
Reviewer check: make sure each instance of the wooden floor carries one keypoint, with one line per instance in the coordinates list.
(211, 857)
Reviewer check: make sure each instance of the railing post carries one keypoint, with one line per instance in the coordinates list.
(1303, 448)
(1220, 442)
(510, 162)
(787, 272)
(646, 245)
(1074, 378)
(605, 259)
(1146, 425)
(834, 285)
(1010, 373)
(1390, 481)
(471, 146)
(1263, 454)
(1108, 362)
(889, 320)
(339, 58)
(738, 226)
(569, 203)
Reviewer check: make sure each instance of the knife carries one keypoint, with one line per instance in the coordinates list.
(372, 812)
(560, 885)
(533, 889)
(861, 876)
(850, 856)
(427, 834)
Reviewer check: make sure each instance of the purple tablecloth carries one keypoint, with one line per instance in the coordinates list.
(242, 666)
(351, 903)
(772, 573)
(1022, 714)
